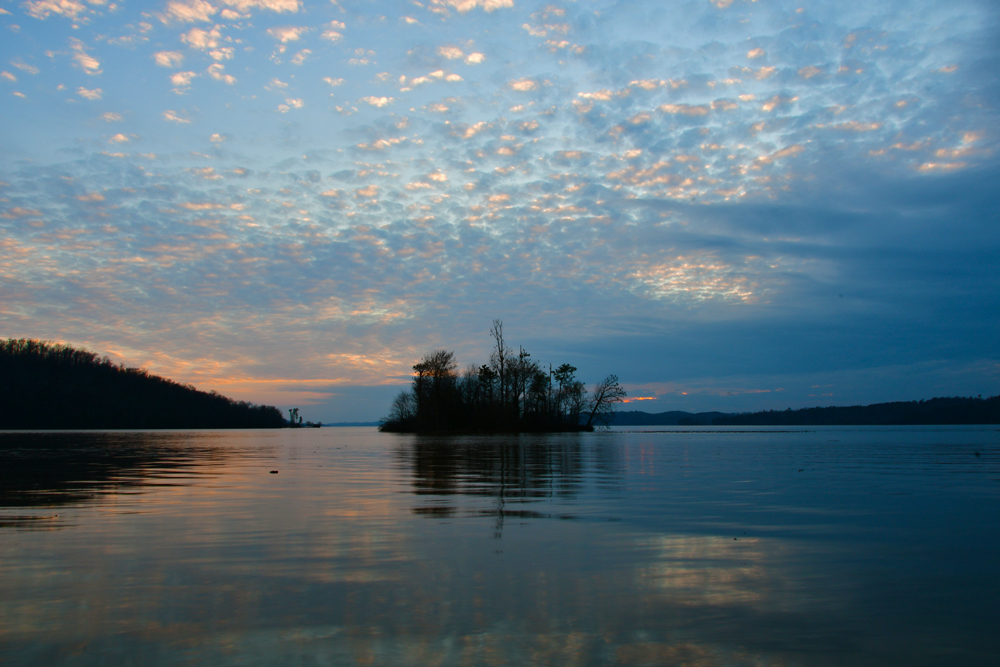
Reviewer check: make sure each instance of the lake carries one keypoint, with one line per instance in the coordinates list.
(664, 546)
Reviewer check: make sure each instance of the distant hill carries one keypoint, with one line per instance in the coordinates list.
(933, 411)
(46, 386)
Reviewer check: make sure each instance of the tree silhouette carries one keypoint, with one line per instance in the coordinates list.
(606, 394)
(511, 393)
(50, 386)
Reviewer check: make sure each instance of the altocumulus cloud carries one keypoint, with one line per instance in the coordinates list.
(714, 200)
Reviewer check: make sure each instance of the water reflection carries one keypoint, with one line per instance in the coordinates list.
(512, 471)
(369, 549)
(54, 469)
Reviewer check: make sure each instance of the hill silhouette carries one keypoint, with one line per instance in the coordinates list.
(49, 386)
(941, 411)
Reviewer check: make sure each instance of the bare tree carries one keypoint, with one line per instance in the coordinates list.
(500, 362)
(606, 394)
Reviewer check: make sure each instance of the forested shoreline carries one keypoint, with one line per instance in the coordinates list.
(943, 411)
(511, 393)
(50, 386)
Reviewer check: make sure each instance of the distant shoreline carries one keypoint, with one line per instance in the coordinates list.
(347, 424)
(932, 412)
(954, 411)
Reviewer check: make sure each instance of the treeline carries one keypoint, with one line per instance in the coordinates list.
(512, 393)
(47, 386)
(934, 411)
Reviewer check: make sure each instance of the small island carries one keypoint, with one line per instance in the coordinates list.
(49, 386)
(510, 394)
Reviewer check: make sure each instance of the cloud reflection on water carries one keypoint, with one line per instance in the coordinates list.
(336, 560)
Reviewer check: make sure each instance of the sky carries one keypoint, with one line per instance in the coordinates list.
(731, 204)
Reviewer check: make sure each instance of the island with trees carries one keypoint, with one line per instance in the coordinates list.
(510, 394)
(50, 386)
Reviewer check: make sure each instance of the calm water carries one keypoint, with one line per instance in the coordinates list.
(831, 546)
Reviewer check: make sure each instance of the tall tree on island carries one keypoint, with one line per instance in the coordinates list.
(499, 362)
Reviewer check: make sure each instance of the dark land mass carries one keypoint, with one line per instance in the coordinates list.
(943, 411)
(45, 386)
(511, 394)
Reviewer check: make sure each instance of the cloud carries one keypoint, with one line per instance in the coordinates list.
(92, 94)
(290, 103)
(120, 139)
(217, 72)
(450, 52)
(277, 6)
(112, 117)
(333, 32)
(188, 11)
(287, 34)
(301, 56)
(175, 117)
(7, 75)
(18, 212)
(789, 151)
(222, 53)
(463, 6)
(217, 138)
(685, 109)
(852, 126)
(382, 144)
(333, 82)
(24, 67)
(522, 85)
(181, 80)
(42, 9)
(474, 129)
(168, 58)
(197, 38)
(364, 57)
(377, 101)
(84, 60)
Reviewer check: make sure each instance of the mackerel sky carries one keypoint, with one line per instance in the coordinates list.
(731, 204)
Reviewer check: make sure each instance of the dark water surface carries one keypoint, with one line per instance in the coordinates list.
(819, 546)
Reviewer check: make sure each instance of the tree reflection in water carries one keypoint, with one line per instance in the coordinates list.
(53, 469)
(457, 473)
